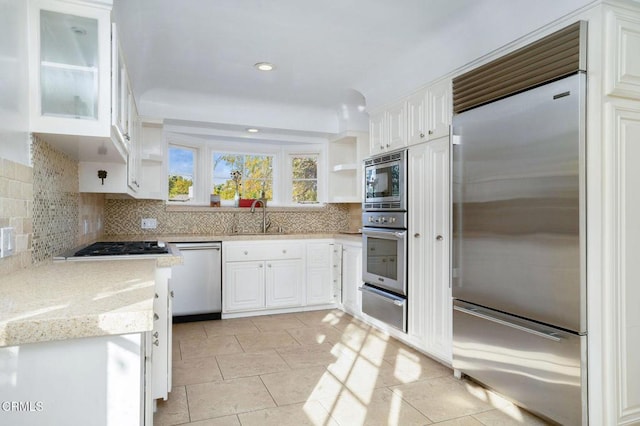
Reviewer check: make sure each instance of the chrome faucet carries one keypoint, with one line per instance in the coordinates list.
(265, 223)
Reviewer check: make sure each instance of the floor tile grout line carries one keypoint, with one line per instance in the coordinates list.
(409, 403)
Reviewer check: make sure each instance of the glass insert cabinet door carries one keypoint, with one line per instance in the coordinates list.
(71, 56)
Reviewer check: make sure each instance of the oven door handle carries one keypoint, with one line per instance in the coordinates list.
(385, 297)
(384, 234)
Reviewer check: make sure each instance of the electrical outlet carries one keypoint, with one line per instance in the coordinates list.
(149, 223)
(7, 241)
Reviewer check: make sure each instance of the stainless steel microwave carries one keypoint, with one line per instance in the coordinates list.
(385, 182)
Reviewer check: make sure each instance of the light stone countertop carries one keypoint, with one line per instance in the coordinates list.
(67, 300)
(233, 237)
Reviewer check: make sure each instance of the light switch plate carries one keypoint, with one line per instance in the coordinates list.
(7, 241)
(149, 223)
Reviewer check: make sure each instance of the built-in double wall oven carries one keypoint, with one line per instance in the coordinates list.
(384, 235)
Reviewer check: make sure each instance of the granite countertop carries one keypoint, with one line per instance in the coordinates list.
(355, 236)
(56, 301)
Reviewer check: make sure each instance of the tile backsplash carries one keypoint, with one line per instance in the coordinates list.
(124, 217)
(16, 207)
(62, 217)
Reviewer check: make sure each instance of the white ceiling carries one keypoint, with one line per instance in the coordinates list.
(193, 59)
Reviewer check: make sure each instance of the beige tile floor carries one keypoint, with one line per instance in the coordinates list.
(316, 368)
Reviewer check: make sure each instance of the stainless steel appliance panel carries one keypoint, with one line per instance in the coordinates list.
(518, 194)
(535, 365)
(386, 307)
(385, 182)
(197, 282)
(384, 258)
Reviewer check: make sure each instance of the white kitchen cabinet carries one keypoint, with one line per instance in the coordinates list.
(439, 109)
(622, 205)
(430, 294)
(133, 158)
(352, 277)
(388, 129)
(121, 94)
(122, 177)
(323, 273)
(69, 68)
(622, 44)
(244, 287)
(345, 155)
(87, 381)
(283, 283)
(429, 113)
(161, 359)
(377, 129)
(262, 275)
(417, 117)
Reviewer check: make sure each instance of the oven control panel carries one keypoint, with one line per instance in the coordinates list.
(396, 220)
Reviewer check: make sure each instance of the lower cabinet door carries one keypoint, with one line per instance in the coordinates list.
(284, 283)
(244, 289)
(319, 286)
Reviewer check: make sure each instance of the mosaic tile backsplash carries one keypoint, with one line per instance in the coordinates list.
(62, 217)
(16, 203)
(124, 217)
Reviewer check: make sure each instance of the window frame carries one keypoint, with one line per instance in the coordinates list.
(282, 166)
(290, 179)
(196, 168)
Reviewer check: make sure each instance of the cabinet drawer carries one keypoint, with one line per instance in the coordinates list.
(264, 252)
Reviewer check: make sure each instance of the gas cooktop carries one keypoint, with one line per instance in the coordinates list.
(119, 248)
(109, 249)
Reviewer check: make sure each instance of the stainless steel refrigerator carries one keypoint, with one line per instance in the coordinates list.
(518, 281)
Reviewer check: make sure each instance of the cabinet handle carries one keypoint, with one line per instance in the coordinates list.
(261, 265)
(269, 265)
(439, 238)
(422, 135)
(171, 293)
(157, 295)
(387, 145)
(155, 334)
(155, 317)
(156, 342)
(417, 235)
(246, 252)
(284, 251)
(430, 132)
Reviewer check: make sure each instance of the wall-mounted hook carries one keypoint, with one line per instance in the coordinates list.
(102, 174)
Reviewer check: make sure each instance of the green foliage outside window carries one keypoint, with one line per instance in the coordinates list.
(305, 178)
(256, 175)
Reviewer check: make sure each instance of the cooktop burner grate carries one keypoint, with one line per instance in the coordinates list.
(115, 248)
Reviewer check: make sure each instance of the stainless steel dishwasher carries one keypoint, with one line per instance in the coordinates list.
(197, 283)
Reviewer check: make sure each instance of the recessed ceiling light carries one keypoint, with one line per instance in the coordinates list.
(252, 130)
(264, 66)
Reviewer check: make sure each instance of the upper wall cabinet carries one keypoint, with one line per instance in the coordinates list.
(424, 115)
(70, 65)
(623, 54)
(388, 129)
(429, 113)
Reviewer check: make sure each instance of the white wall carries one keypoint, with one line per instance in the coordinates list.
(14, 95)
(479, 30)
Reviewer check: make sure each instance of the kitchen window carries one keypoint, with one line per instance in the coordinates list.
(290, 174)
(304, 178)
(182, 172)
(255, 175)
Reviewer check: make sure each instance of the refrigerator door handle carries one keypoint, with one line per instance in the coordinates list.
(477, 313)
